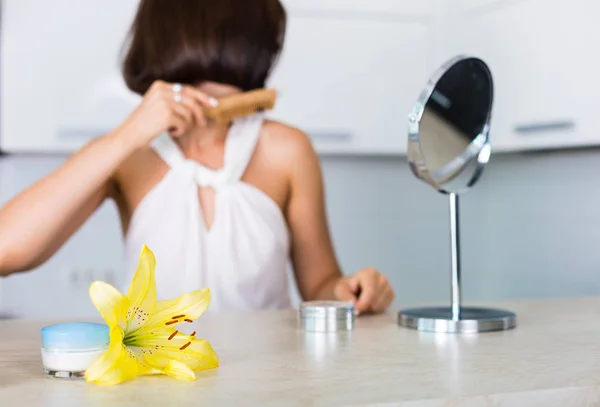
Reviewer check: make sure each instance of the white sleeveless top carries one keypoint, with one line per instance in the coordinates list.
(242, 258)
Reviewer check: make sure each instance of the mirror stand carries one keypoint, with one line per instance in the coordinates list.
(448, 148)
(455, 255)
(456, 318)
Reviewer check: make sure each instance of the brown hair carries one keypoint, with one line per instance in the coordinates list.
(234, 42)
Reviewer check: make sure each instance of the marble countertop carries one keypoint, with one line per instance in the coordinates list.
(551, 359)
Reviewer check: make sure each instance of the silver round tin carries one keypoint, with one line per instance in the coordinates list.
(326, 316)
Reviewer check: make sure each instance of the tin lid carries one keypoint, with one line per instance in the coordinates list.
(75, 335)
(326, 309)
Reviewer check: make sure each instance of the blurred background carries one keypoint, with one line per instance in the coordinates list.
(349, 75)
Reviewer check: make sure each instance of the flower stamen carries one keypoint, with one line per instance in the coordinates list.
(171, 322)
(178, 316)
(188, 320)
(185, 346)
(173, 335)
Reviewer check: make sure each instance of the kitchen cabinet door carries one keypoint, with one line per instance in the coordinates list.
(350, 73)
(60, 61)
(543, 56)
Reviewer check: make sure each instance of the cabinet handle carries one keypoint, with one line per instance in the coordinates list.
(544, 126)
(329, 136)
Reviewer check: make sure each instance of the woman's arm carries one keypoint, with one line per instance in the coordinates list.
(37, 222)
(315, 264)
(317, 271)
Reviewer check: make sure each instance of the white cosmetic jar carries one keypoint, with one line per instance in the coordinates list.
(68, 349)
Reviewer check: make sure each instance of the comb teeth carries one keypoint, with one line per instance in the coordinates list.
(241, 104)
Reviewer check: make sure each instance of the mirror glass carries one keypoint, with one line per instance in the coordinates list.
(449, 126)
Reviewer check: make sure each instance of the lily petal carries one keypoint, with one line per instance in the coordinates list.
(111, 304)
(109, 358)
(186, 308)
(142, 292)
(168, 345)
(123, 369)
(143, 368)
(118, 364)
(198, 356)
(179, 371)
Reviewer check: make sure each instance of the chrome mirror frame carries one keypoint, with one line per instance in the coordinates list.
(455, 318)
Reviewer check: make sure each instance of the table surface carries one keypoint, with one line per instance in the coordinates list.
(551, 359)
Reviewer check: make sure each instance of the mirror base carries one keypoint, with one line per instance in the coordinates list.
(472, 320)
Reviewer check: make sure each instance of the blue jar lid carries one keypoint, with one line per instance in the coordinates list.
(75, 335)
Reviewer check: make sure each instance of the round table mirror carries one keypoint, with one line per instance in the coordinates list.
(448, 148)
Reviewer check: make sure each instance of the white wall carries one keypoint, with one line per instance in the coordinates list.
(530, 230)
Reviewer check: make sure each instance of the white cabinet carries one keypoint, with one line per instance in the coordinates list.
(59, 61)
(543, 56)
(349, 75)
(351, 71)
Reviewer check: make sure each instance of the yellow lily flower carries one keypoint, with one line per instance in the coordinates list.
(143, 338)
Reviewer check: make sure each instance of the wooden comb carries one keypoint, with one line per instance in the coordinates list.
(241, 104)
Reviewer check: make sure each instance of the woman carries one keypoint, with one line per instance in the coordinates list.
(222, 207)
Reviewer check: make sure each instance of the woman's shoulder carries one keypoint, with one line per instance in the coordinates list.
(288, 142)
(290, 150)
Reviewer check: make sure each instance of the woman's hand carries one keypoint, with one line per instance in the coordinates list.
(166, 106)
(368, 289)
